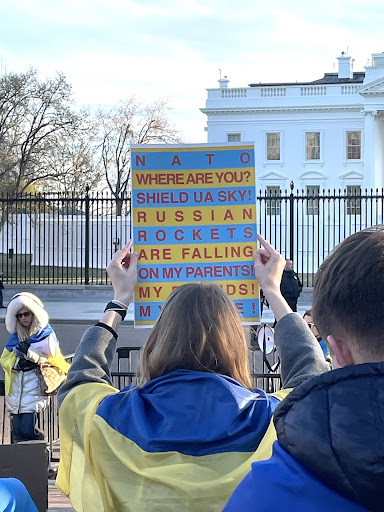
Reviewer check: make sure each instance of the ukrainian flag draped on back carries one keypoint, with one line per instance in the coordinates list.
(181, 443)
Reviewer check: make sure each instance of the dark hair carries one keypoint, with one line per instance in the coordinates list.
(308, 312)
(199, 328)
(348, 295)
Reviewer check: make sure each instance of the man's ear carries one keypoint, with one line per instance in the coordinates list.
(341, 351)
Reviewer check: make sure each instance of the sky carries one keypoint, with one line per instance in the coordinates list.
(110, 50)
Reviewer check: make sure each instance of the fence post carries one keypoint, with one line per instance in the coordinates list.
(291, 222)
(86, 256)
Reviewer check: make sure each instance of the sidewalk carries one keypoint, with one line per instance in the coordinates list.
(56, 501)
(77, 310)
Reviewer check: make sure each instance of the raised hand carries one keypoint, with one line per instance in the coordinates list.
(122, 271)
(269, 266)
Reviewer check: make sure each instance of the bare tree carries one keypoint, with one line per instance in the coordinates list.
(33, 114)
(45, 143)
(130, 122)
(73, 159)
(13, 104)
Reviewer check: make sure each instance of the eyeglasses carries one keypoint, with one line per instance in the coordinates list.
(311, 324)
(26, 314)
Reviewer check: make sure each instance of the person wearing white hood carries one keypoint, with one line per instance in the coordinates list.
(32, 344)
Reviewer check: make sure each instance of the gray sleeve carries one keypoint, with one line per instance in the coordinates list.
(300, 354)
(92, 360)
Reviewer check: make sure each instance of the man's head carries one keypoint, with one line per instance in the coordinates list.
(311, 324)
(348, 298)
(288, 265)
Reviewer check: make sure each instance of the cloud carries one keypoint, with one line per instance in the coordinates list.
(175, 48)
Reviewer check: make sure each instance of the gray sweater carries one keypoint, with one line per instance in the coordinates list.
(300, 355)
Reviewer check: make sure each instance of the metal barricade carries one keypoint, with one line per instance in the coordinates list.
(264, 366)
(127, 363)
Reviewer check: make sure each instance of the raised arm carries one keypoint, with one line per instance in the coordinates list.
(300, 354)
(269, 266)
(94, 355)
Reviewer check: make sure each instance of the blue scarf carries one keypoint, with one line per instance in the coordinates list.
(40, 335)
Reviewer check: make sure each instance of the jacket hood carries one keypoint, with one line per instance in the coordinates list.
(333, 424)
(29, 301)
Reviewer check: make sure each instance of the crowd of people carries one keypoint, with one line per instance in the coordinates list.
(193, 434)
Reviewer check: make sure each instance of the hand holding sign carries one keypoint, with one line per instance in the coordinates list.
(269, 266)
(122, 272)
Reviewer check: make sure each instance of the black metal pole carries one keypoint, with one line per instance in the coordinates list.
(291, 222)
(86, 256)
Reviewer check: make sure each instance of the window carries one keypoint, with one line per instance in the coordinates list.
(354, 205)
(313, 145)
(233, 137)
(353, 145)
(313, 192)
(273, 146)
(273, 205)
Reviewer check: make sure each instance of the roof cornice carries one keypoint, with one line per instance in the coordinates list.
(282, 110)
(375, 88)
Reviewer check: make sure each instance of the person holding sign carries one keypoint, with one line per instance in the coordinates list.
(188, 432)
(329, 455)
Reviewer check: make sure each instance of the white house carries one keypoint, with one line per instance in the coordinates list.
(326, 134)
(322, 135)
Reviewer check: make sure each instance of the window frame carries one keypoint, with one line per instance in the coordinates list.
(347, 146)
(353, 206)
(273, 206)
(306, 133)
(231, 134)
(313, 203)
(267, 147)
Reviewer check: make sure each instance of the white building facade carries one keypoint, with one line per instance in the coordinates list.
(327, 134)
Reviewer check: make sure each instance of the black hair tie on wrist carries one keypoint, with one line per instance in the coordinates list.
(111, 306)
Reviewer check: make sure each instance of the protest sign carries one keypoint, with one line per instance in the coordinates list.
(194, 219)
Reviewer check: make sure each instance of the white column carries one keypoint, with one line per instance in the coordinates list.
(370, 149)
(379, 159)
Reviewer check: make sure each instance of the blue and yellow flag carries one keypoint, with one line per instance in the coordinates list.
(180, 443)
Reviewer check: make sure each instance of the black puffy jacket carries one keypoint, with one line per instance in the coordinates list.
(333, 424)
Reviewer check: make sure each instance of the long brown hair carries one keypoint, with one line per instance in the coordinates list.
(199, 328)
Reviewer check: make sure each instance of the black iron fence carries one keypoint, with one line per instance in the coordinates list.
(306, 228)
(52, 238)
(60, 239)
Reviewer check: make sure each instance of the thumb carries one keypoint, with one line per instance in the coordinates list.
(133, 259)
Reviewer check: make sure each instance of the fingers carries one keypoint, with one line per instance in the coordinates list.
(262, 252)
(124, 258)
(267, 246)
(122, 253)
(130, 260)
